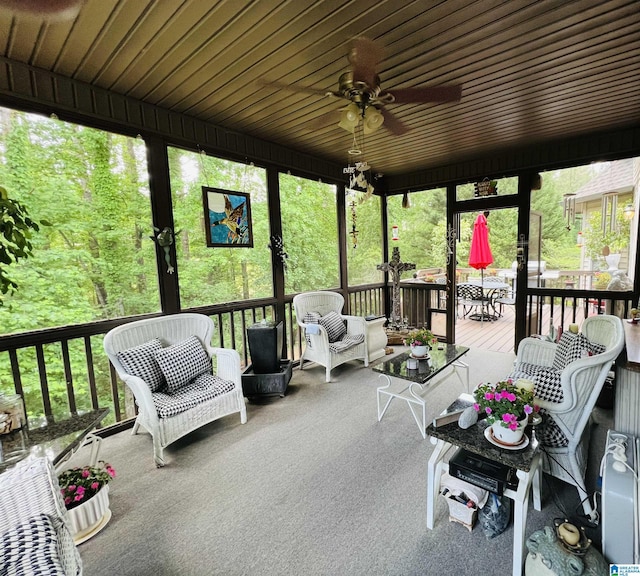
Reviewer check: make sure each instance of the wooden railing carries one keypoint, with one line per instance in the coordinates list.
(61, 371)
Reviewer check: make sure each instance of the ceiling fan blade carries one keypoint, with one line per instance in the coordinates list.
(393, 124)
(295, 88)
(364, 57)
(450, 93)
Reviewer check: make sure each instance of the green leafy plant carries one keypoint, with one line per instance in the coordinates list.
(16, 228)
(78, 485)
(504, 402)
(421, 337)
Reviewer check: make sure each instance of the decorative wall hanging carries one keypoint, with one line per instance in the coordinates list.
(452, 236)
(569, 210)
(395, 267)
(486, 188)
(227, 217)
(354, 230)
(165, 239)
(360, 178)
(277, 248)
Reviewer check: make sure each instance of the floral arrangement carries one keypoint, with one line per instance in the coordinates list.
(78, 485)
(422, 337)
(505, 402)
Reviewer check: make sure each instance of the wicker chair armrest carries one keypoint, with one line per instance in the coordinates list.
(142, 394)
(227, 364)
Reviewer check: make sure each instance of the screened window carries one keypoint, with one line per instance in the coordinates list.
(215, 275)
(310, 234)
(364, 248)
(95, 260)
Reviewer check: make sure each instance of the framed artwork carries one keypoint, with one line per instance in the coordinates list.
(227, 218)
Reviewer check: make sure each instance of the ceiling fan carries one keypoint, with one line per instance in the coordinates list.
(360, 86)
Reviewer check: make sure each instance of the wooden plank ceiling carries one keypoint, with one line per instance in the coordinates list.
(531, 70)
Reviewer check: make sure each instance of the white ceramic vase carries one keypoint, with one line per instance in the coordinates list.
(508, 436)
(86, 517)
(419, 351)
(612, 261)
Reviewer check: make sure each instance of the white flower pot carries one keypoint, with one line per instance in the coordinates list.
(508, 436)
(419, 351)
(89, 516)
(612, 261)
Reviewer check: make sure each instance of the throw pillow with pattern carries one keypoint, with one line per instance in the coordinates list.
(334, 325)
(562, 349)
(140, 361)
(582, 347)
(182, 362)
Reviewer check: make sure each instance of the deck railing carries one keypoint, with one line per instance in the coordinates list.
(61, 371)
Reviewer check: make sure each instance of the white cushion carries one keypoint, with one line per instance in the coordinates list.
(141, 361)
(182, 362)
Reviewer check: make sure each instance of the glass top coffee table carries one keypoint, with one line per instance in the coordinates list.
(53, 440)
(441, 358)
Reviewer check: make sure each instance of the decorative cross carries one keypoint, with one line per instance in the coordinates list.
(395, 267)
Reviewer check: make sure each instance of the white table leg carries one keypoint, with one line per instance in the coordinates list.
(434, 473)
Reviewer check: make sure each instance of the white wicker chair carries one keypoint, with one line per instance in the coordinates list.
(317, 347)
(581, 383)
(31, 488)
(172, 329)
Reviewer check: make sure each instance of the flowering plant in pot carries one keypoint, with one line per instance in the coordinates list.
(78, 485)
(420, 342)
(507, 406)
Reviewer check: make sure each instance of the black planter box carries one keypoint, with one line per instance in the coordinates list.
(274, 384)
(265, 346)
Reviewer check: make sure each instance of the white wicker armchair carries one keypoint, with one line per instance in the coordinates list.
(318, 347)
(27, 491)
(581, 383)
(173, 329)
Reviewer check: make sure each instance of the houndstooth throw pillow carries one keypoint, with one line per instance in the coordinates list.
(562, 350)
(334, 325)
(582, 347)
(182, 362)
(31, 548)
(141, 361)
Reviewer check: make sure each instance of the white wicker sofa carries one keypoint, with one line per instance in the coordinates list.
(34, 531)
(167, 364)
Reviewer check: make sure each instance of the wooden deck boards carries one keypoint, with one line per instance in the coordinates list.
(499, 335)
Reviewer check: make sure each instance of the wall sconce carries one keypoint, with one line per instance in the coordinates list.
(629, 211)
(405, 200)
(569, 209)
(394, 233)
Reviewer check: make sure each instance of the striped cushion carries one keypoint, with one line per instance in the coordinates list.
(31, 549)
(182, 362)
(347, 342)
(201, 388)
(334, 325)
(141, 361)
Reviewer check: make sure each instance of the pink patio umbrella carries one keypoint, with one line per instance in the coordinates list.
(480, 253)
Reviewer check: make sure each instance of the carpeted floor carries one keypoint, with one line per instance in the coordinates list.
(312, 484)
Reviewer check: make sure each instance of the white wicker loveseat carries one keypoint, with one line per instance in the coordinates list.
(34, 533)
(568, 378)
(171, 377)
(332, 338)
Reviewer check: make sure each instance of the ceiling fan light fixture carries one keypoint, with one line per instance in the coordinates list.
(373, 119)
(350, 117)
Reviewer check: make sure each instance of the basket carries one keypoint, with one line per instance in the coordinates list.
(461, 513)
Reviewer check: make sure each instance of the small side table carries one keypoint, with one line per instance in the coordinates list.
(527, 463)
(376, 337)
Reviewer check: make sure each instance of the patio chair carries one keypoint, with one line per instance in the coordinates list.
(472, 299)
(331, 338)
(568, 378)
(34, 523)
(504, 298)
(170, 374)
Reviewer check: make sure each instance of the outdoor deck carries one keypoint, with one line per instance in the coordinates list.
(498, 335)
